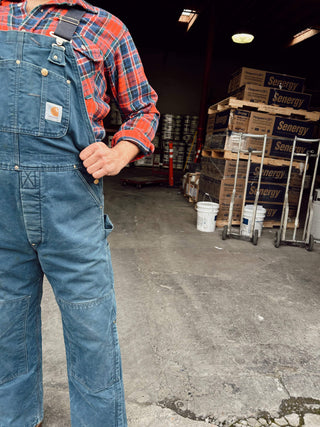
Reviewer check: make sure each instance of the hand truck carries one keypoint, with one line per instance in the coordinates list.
(307, 240)
(253, 234)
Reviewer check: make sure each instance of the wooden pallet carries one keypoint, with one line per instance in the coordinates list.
(266, 224)
(233, 102)
(230, 155)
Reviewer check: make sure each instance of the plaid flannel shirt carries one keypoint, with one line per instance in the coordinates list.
(107, 60)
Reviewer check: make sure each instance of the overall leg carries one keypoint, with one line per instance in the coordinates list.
(75, 257)
(20, 319)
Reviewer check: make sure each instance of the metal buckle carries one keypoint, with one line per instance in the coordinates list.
(59, 40)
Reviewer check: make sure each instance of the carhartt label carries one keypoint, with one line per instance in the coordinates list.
(53, 112)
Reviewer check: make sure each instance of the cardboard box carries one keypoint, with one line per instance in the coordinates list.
(271, 196)
(276, 147)
(246, 75)
(273, 96)
(224, 168)
(279, 126)
(230, 119)
(281, 131)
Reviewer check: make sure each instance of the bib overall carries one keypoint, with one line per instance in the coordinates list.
(52, 222)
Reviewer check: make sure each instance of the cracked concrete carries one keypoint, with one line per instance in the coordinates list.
(212, 332)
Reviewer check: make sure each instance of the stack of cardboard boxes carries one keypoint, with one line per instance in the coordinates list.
(259, 103)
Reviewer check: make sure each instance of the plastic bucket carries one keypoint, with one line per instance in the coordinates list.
(315, 224)
(206, 216)
(246, 225)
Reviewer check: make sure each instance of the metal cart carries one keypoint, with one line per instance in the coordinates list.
(227, 229)
(307, 240)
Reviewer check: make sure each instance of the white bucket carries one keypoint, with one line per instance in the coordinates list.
(245, 227)
(207, 215)
(315, 224)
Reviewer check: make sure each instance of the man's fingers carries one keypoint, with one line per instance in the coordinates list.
(97, 149)
(94, 167)
(87, 152)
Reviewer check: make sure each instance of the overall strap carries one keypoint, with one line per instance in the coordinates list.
(68, 23)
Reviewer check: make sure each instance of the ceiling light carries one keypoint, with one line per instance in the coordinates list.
(188, 16)
(242, 38)
(303, 35)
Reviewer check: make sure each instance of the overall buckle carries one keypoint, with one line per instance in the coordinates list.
(59, 40)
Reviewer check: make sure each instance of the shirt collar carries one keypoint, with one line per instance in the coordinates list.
(83, 4)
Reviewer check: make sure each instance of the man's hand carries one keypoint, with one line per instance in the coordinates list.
(100, 160)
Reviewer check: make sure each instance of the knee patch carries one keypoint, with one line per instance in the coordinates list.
(92, 342)
(13, 354)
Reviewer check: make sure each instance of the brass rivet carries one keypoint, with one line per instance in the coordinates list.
(55, 57)
(44, 72)
(17, 61)
(16, 167)
(96, 181)
(68, 81)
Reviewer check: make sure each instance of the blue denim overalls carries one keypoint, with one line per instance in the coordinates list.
(52, 222)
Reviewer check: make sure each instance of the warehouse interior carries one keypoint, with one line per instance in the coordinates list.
(214, 329)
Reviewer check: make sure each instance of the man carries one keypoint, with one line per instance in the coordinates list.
(57, 60)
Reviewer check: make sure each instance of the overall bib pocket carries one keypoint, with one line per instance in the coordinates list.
(36, 101)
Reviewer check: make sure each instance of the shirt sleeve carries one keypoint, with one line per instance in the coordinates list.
(135, 98)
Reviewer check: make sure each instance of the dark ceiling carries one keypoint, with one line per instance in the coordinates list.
(273, 23)
(155, 29)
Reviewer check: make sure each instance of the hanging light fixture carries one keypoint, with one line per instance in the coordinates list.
(242, 38)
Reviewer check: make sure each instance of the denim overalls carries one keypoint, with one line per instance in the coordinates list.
(52, 222)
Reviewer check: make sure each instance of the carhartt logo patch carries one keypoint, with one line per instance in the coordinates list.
(53, 112)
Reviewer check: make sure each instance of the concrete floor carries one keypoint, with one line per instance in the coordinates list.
(211, 331)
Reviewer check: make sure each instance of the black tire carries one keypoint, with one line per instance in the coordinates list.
(224, 232)
(277, 239)
(255, 237)
(310, 244)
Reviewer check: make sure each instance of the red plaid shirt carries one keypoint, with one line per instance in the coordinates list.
(106, 55)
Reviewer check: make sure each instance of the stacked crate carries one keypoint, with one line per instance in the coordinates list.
(260, 103)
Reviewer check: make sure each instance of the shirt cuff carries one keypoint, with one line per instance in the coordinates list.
(143, 143)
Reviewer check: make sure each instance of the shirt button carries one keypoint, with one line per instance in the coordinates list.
(83, 47)
(17, 61)
(55, 57)
(44, 72)
(16, 167)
